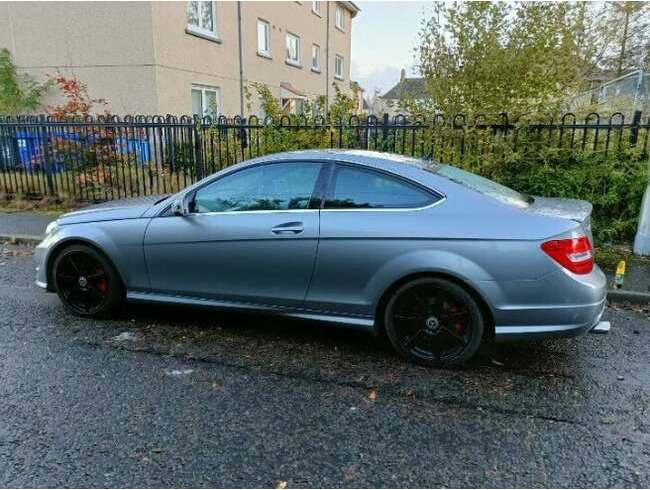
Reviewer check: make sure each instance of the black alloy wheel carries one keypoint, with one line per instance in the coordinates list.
(86, 282)
(434, 321)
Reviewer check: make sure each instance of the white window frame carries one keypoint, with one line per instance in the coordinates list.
(267, 39)
(289, 60)
(315, 48)
(338, 74)
(340, 19)
(316, 7)
(204, 107)
(200, 30)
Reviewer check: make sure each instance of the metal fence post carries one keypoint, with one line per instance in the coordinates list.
(634, 128)
(384, 131)
(47, 154)
(169, 142)
(197, 128)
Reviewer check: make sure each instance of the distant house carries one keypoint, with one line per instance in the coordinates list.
(185, 57)
(624, 94)
(406, 89)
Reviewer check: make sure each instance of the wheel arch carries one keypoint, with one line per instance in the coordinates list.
(63, 244)
(482, 303)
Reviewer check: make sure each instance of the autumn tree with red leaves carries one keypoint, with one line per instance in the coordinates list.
(78, 101)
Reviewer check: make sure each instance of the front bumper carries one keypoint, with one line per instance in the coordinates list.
(40, 261)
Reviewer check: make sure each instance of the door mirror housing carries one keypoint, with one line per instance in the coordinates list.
(180, 206)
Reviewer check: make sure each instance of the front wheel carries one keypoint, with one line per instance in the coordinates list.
(434, 321)
(86, 282)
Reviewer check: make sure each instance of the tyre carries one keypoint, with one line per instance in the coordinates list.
(86, 282)
(434, 322)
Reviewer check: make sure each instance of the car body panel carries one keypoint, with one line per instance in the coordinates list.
(120, 240)
(233, 256)
(343, 262)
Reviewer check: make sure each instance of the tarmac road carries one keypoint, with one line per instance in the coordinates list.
(193, 398)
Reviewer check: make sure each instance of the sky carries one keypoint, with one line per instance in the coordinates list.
(383, 37)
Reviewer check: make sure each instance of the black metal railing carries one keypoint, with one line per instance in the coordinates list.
(105, 158)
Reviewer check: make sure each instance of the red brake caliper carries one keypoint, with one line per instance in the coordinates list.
(101, 285)
(457, 326)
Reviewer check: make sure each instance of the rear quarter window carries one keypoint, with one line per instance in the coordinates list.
(354, 188)
(485, 186)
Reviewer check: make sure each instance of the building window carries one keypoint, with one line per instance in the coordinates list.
(315, 57)
(293, 49)
(338, 67)
(340, 18)
(205, 101)
(202, 18)
(263, 38)
(315, 7)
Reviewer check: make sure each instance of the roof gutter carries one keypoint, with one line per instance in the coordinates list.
(352, 7)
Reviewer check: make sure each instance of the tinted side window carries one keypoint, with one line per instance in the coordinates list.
(274, 186)
(356, 188)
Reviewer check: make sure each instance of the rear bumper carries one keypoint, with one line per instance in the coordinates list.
(590, 316)
(559, 305)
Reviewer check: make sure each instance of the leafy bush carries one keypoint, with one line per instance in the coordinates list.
(614, 183)
(18, 93)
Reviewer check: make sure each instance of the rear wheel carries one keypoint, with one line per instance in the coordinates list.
(86, 282)
(434, 321)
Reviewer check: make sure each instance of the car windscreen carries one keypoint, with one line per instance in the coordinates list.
(485, 186)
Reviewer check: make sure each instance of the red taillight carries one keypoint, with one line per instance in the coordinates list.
(574, 254)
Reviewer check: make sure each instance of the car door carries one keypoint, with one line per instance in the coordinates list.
(250, 236)
(369, 219)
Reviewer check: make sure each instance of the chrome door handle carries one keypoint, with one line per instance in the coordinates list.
(291, 228)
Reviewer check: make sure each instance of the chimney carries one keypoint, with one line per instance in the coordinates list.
(402, 75)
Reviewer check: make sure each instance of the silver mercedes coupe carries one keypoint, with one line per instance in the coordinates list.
(436, 258)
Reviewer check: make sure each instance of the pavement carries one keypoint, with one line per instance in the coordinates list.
(28, 228)
(164, 397)
(28, 225)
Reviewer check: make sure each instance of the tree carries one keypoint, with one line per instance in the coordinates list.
(629, 23)
(78, 102)
(492, 57)
(342, 107)
(18, 93)
(614, 36)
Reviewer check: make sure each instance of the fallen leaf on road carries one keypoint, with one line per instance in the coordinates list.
(156, 450)
(608, 420)
(350, 473)
(373, 394)
(280, 484)
(409, 393)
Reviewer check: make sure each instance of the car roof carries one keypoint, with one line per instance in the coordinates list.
(365, 157)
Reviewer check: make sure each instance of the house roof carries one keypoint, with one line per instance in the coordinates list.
(288, 91)
(412, 88)
(352, 7)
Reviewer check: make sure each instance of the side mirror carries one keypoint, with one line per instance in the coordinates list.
(180, 207)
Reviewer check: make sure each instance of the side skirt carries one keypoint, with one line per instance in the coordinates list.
(360, 322)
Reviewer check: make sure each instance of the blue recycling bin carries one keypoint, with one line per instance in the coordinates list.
(30, 146)
(138, 146)
(9, 159)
